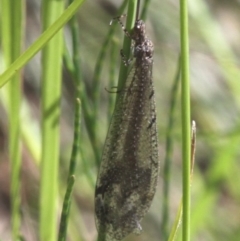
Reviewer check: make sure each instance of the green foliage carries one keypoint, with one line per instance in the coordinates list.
(64, 142)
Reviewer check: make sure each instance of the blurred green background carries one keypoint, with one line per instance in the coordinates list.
(215, 100)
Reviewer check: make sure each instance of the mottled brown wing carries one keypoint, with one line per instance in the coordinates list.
(128, 173)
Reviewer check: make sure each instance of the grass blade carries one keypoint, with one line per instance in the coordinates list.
(186, 153)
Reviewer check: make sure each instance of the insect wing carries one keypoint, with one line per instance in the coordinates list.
(128, 174)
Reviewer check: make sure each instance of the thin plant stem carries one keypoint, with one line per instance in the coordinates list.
(73, 66)
(76, 139)
(86, 107)
(100, 59)
(131, 17)
(177, 221)
(80, 88)
(67, 199)
(65, 210)
(112, 74)
(145, 9)
(168, 157)
(186, 134)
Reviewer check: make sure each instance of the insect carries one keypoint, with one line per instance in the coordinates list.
(128, 174)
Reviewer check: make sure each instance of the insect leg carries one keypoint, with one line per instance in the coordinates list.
(126, 61)
(122, 25)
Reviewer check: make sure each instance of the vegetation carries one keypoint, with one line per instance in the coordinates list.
(55, 113)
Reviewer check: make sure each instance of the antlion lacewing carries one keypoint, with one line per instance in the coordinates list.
(129, 168)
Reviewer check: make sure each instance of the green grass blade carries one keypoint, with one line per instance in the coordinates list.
(76, 141)
(178, 218)
(15, 97)
(186, 153)
(176, 224)
(130, 21)
(169, 151)
(65, 210)
(145, 9)
(40, 42)
(80, 88)
(51, 94)
(5, 33)
(73, 66)
(101, 57)
(114, 54)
